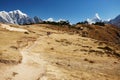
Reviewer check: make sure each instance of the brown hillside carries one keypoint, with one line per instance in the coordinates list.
(49, 52)
(107, 33)
(104, 33)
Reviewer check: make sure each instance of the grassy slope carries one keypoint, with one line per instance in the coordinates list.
(9, 45)
(107, 33)
(77, 57)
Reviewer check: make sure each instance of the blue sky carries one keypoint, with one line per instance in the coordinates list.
(72, 10)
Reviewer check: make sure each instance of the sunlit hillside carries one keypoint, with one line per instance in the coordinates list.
(53, 52)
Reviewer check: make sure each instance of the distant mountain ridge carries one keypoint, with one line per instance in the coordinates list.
(115, 21)
(17, 17)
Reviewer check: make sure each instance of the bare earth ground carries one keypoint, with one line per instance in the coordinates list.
(58, 56)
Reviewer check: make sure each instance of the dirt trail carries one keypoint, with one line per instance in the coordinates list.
(31, 68)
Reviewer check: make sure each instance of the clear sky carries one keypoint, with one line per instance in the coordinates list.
(72, 10)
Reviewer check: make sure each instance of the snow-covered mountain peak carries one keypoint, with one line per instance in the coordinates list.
(97, 16)
(95, 19)
(18, 12)
(17, 17)
(3, 12)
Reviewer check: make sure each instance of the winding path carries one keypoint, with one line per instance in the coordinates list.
(32, 67)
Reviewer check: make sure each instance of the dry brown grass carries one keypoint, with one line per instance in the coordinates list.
(9, 48)
(64, 52)
(67, 57)
(107, 33)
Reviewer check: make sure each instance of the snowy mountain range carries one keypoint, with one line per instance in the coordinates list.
(95, 19)
(115, 21)
(17, 17)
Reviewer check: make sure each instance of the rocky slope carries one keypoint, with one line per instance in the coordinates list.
(115, 21)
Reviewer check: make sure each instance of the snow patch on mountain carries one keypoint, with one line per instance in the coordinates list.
(53, 20)
(97, 16)
(50, 20)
